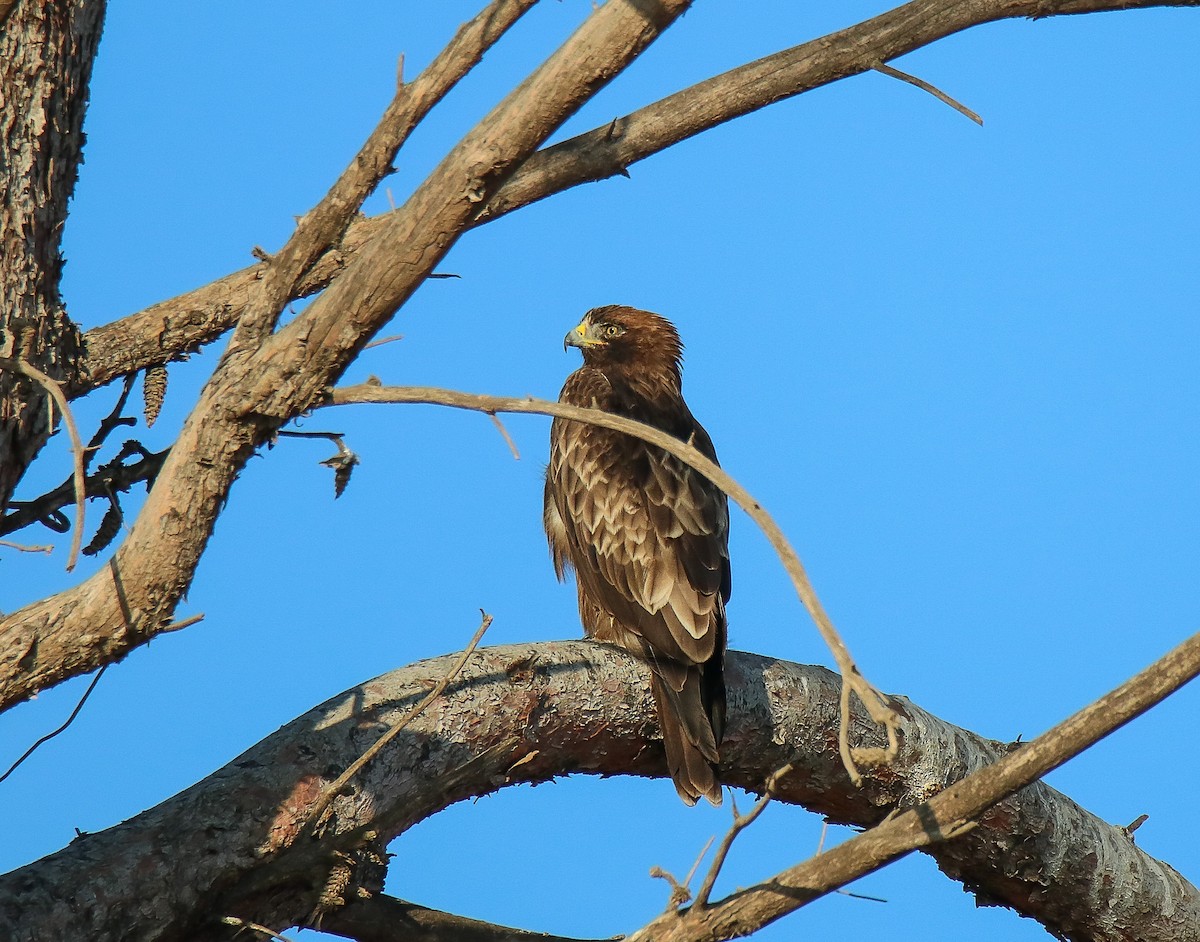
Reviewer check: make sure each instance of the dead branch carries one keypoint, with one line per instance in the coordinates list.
(67, 722)
(949, 815)
(25, 548)
(853, 679)
(252, 394)
(936, 92)
(113, 476)
(322, 804)
(55, 392)
(185, 323)
(323, 226)
(740, 823)
(253, 927)
(240, 845)
(383, 918)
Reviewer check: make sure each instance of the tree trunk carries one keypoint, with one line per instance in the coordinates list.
(46, 55)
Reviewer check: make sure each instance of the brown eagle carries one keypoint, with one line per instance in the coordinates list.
(646, 535)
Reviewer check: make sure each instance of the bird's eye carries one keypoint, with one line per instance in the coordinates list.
(612, 330)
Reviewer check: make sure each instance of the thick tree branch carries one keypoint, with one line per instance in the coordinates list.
(609, 150)
(236, 844)
(954, 812)
(183, 324)
(325, 224)
(383, 918)
(252, 394)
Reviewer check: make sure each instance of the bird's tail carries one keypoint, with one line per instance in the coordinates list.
(692, 722)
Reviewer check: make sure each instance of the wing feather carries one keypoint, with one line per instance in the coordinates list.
(653, 530)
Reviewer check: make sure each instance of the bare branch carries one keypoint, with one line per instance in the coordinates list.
(875, 703)
(183, 623)
(382, 918)
(254, 927)
(331, 792)
(932, 89)
(24, 548)
(113, 476)
(185, 323)
(954, 812)
(512, 446)
(54, 390)
(240, 845)
(740, 823)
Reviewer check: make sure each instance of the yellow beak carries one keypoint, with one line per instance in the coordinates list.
(578, 337)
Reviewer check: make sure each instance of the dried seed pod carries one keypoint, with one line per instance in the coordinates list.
(109, 527)
(154, 390)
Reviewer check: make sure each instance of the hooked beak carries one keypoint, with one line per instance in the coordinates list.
(578, 337)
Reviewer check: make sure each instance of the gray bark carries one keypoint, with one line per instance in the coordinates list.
(238, 844)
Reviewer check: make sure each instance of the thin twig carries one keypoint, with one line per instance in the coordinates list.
(699, 857)
(182, 623)
(680, 894)
(852, 895)
(316, 813)
(740, 823)
(58, 397)
(512, 446)
(27, 549)
(331, 436)
(382, 340)
(932, 89)
(247, 924)
(70, 719)
(323, 226)
(875, 703)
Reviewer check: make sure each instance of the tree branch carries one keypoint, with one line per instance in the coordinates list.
(852, 678)
(78, 482)
(950, 814)
(250, 396)
(183, 324)
(529, 713)
(383, 918)
(325, 224)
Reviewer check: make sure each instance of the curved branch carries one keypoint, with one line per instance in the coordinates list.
(689, 455)
(529, 713)
(185, 323)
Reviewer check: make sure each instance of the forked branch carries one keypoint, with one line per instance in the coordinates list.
(198, 317)
(951, 814)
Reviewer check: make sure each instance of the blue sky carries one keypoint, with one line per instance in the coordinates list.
(958, 364)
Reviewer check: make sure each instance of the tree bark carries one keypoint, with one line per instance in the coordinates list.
(46, 55)
(262, 383)
(239, 842)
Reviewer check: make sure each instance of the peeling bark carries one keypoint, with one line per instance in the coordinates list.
(238, 843)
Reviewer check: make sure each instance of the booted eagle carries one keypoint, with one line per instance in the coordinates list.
(646, 535)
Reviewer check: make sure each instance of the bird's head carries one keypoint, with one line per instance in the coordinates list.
(615, 335)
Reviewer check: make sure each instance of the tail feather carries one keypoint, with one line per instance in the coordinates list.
(690, 729)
